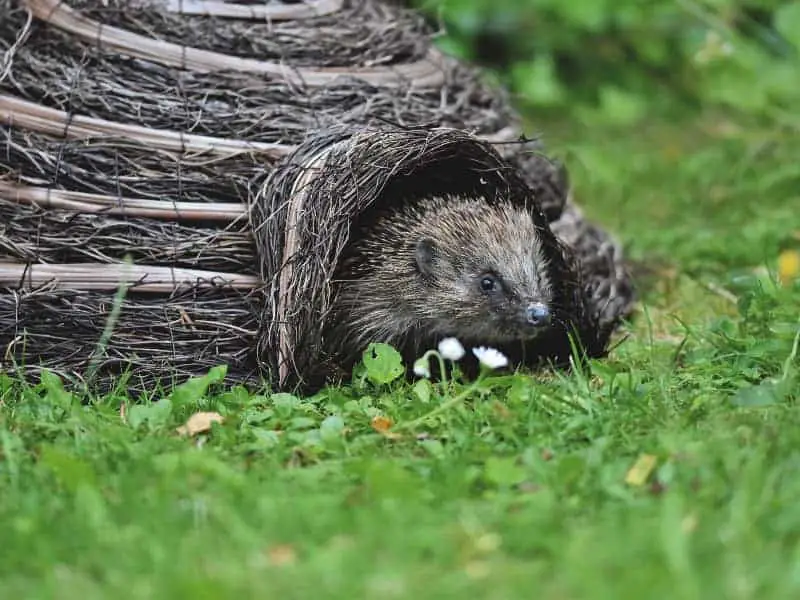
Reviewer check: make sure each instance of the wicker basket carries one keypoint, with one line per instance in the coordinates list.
(187, 171)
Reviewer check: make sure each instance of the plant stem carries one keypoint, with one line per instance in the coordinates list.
(447, 405)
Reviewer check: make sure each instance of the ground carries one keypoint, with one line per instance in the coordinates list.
(670, 472)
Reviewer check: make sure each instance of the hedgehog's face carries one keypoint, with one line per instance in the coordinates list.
(500, 288)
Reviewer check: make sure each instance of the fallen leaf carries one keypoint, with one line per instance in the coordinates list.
(477, 569)
(788, 266)
(339, 543)
(501, 410)
(282, 555)
(672, 152)
(717, 193)
(487, 543)
(381, 424)
(528, 487)
(689, 523)
(640, 471)
(724, 129)
(199, 422)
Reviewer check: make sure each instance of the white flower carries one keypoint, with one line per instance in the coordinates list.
(421, 368)
(489, 357)
(451, 349)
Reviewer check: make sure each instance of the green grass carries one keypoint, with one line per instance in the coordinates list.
(518, 492)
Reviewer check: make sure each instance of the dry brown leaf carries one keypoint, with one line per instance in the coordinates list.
(501, 410)
(641, 470)
(199, 422)
(718, 192)
(282, 555)
(381, 424)
(672, 152)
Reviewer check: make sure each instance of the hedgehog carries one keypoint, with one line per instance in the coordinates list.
(482, 270)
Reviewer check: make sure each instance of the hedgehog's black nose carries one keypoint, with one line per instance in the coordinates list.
(538, 315)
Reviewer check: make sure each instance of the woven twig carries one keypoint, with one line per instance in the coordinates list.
(30, 235)
(48, 67)
(20, 113)
(262, 11)
(362, 34)
(142, 278)
(83, 203)
(117, 167)
(158, 339)
(426, 72)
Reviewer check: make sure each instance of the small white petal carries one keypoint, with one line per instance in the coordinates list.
(451, 349)
(421, 368)
(489, 357)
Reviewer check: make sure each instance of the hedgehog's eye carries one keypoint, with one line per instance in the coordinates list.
(489, 283)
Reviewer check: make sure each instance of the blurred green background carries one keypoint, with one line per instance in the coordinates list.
(620, 60)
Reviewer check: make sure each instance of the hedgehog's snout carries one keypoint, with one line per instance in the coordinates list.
(538, 314)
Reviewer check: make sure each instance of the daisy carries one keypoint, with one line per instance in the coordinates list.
(421, 368)
(451, 349)
(491, 358)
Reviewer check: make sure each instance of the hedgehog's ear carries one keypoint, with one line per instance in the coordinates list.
(425, 255)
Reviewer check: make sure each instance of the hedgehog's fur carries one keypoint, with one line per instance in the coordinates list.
(412, 278)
